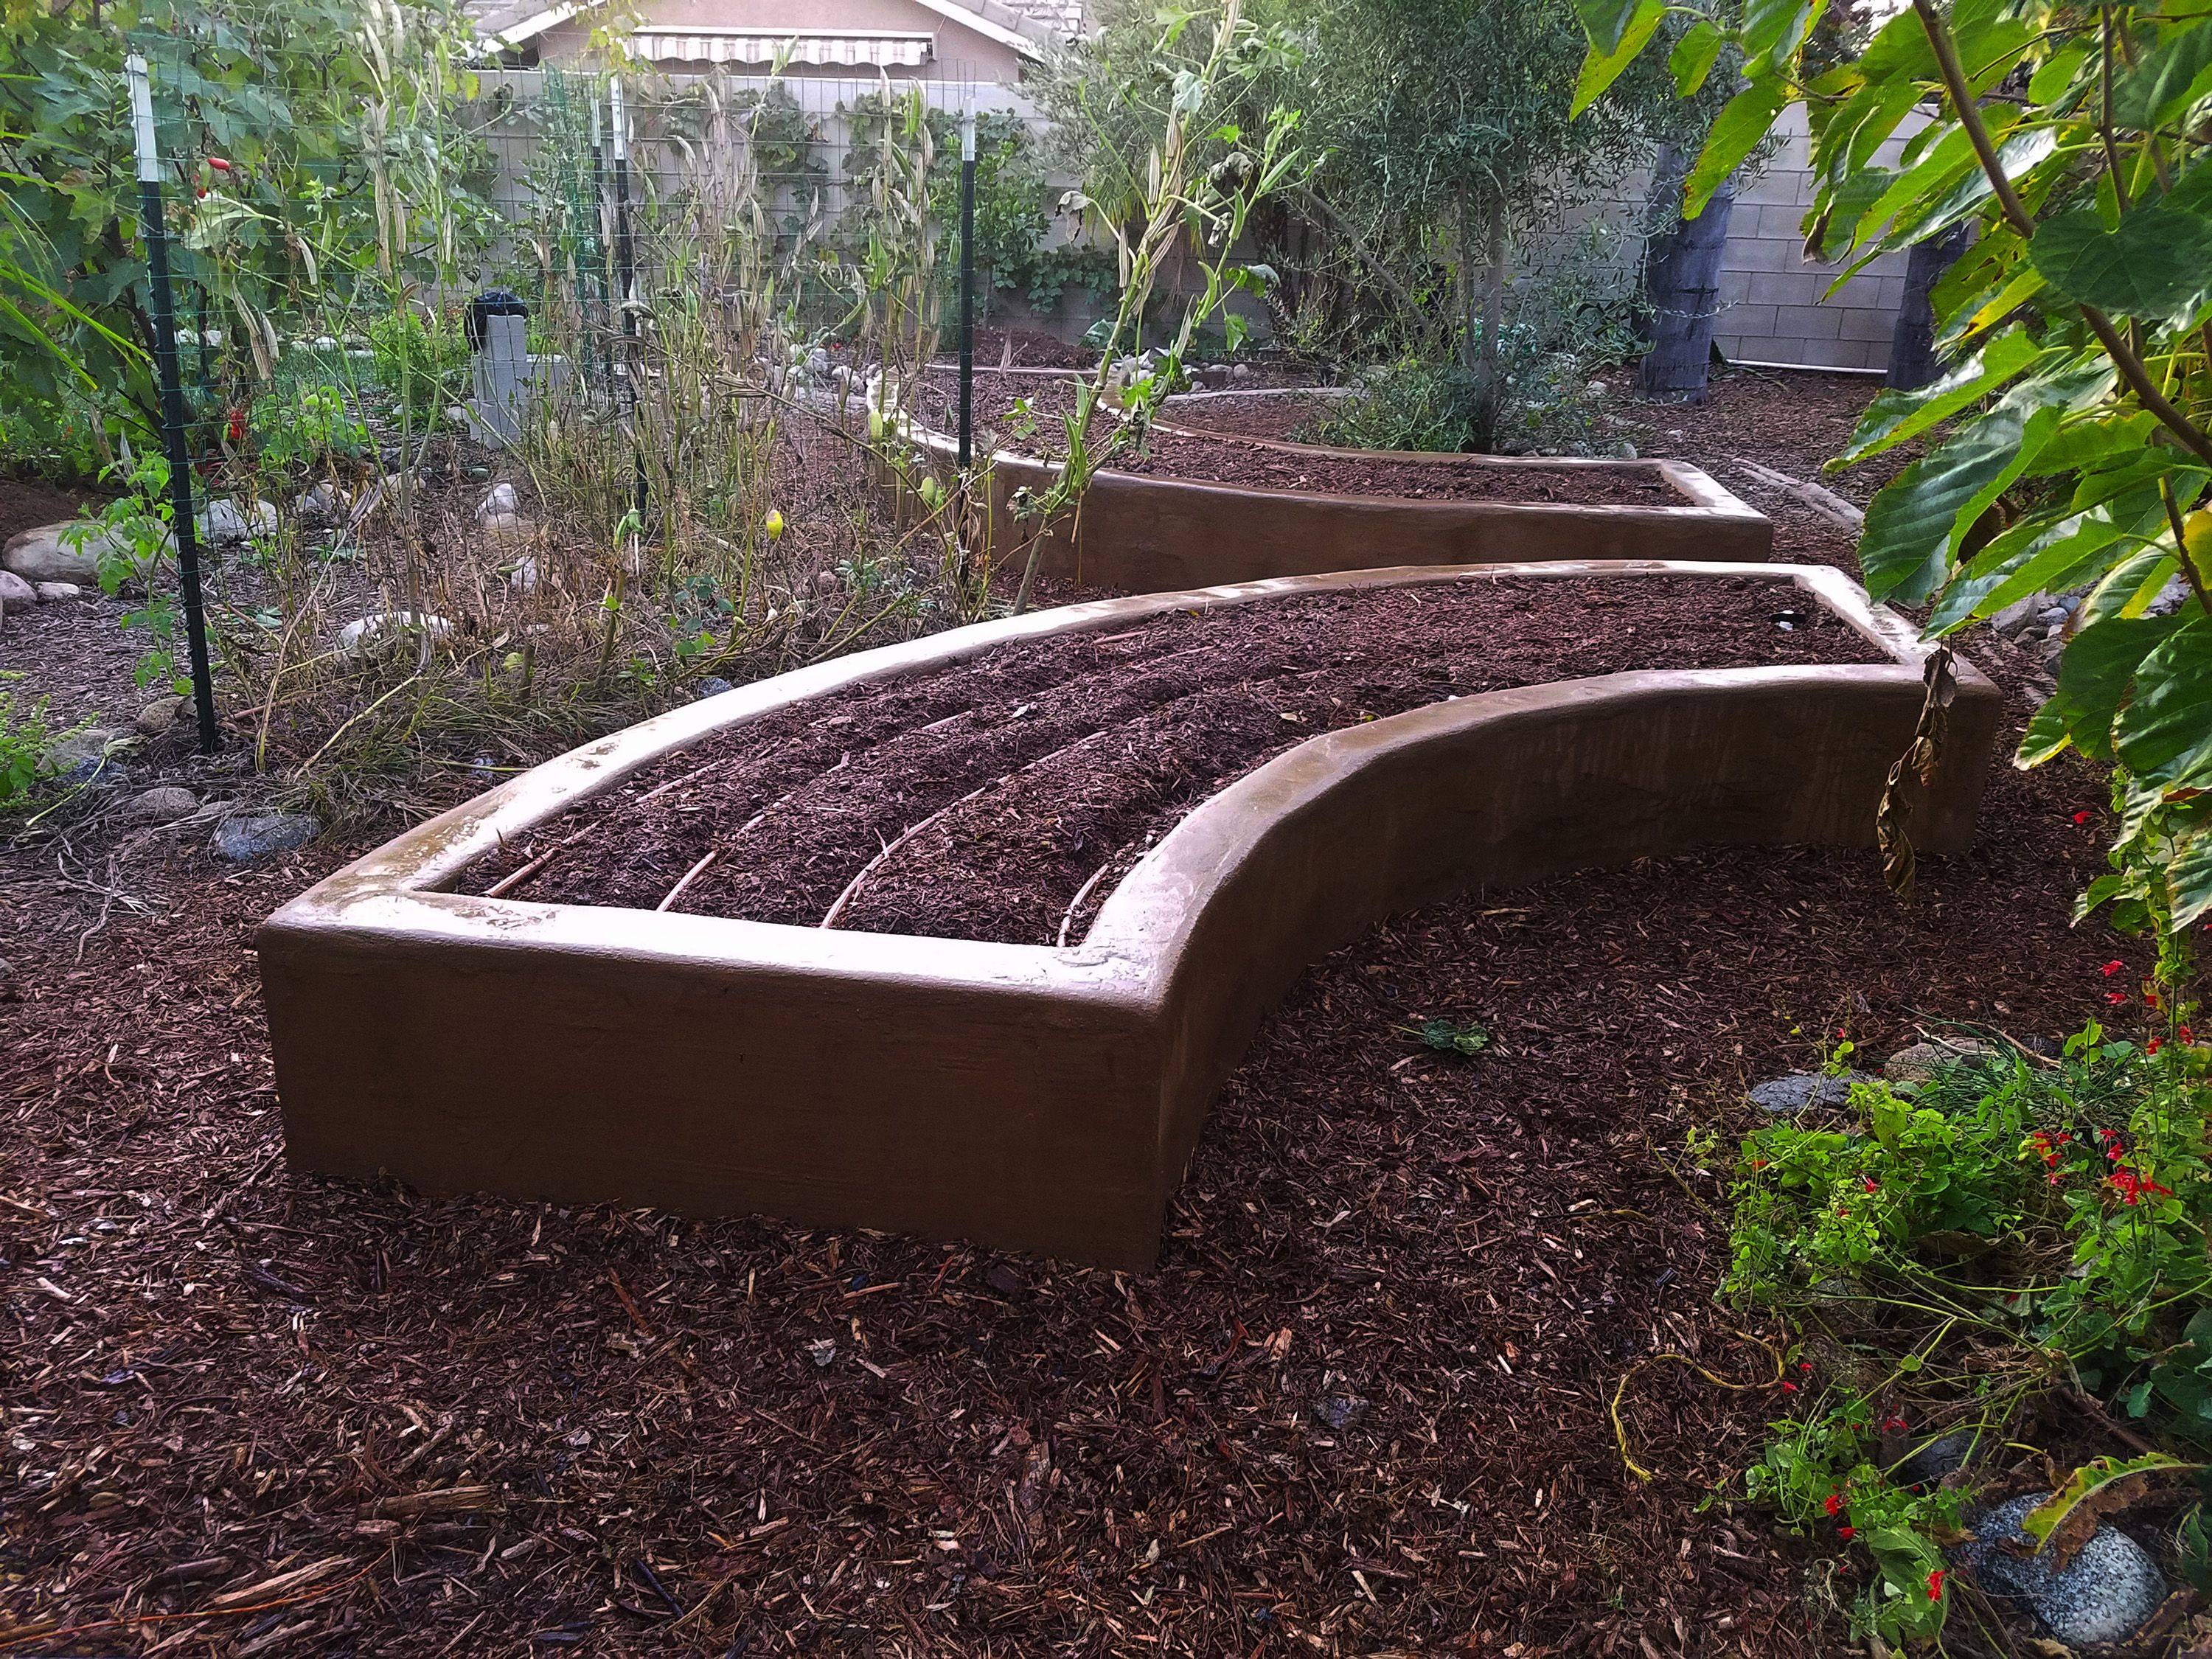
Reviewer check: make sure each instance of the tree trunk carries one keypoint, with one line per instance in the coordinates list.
(1681, 281)
(1912, 346)
(1491, 323)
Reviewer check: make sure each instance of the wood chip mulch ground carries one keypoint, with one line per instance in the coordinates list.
(1361, 1408)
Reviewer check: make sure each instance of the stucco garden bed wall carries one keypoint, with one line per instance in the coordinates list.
(1140, 533)
(1022, 1096)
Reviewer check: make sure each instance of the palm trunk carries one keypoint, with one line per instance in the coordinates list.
(1912, 347)
(1682, 281)
(1490, 323)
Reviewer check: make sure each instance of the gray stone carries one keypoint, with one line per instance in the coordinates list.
(158, 716)
(1340, 1410)
(323, 505)
(1625, 450)
(248, 837)
(164, 804)
(88, 757)
(1920, 1062)
(713, 685)
(223, 523)
(2009, 622)
(381, 630)
(2102, 1595)
(56, 593)
(523, 579)
(69, 552)
(15, 593)
(502, 500)
(2171, 597)
(1944, 1456)
(2053, 618)
(1800, 1090)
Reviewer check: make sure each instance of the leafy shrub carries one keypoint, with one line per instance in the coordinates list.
(25, 740)
(306, 429)
(424, 360)
(1546, 406)
(1963, 1243)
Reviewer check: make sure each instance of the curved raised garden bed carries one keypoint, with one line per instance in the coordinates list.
(1023, 1094)
(1144, 531)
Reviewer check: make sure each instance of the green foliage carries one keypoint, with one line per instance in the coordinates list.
(1464, 1037)
(136, 543)
(422, 362)
(25, 740)
(306, 428)
(2079, 402)
(1959, 1244)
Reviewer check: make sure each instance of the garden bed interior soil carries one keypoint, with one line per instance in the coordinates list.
(1003, 798)
(1003, 423)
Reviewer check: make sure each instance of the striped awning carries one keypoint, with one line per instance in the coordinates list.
(683, 45)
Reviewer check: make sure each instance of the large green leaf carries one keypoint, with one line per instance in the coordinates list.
(2188, 888)
(1605, 21)
(2039, 557)
(1915, 521)
(1691, 60)
(1742, 122)
(1773, 30)
(2166, 730)
(2171, 76)
(1895, 417)
(2095, 673)
(1600, 69)
(2157, 263)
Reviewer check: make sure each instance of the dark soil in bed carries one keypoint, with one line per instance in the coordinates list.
(1232, 459)
(982, 800)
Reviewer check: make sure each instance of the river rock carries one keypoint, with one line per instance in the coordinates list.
(158, 716)
(223, 523)
(164, 804)
(88, 757)
(713, 685)
(523, 579)
(1800, 1090)
(378, 631)
(250, 835)
(15, 593)
(56, 593)
(68, 552)
(1920, 1062)
(2009, 622)
(2102, 1595)
(502, 500)
(323, 505)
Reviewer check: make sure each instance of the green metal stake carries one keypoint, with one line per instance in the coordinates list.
(172, 398)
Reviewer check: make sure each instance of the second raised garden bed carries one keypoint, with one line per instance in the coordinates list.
(1199, 793)
(1205, 504)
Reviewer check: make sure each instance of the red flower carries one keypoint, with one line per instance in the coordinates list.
(2112, 968)
(2118, 998)
(2080, 817)
(1895, 1425)
(2056, 1177)
(2153, 1045)
(2134, 1188)
(1788, 1386)
(1936, 1585)
(218, 164)
(2150, 997)
(1835, 1502)
(1804, 1364)
(238, 426)
(1847, 1532)
(2184, 1035)
(1872, 1185)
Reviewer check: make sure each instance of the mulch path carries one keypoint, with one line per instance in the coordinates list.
(1036, 430)
(1002, 798)
(1360, 1408)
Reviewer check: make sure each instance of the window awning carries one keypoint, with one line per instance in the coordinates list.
(683, 45)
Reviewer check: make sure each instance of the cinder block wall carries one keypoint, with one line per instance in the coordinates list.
(1772, 306)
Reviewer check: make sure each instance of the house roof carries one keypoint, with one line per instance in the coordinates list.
(1028, 25)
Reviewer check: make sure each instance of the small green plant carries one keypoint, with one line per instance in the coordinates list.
(1463, 1037)
(27, 741)
(306, 430)
(422, 362)
(135, 543)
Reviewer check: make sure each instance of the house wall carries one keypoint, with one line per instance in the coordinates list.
(961, 54)
(1772, 298)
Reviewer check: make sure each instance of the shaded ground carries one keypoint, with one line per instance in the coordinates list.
(1362, 1407)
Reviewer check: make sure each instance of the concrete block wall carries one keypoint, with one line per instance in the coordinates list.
(1773, 308)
